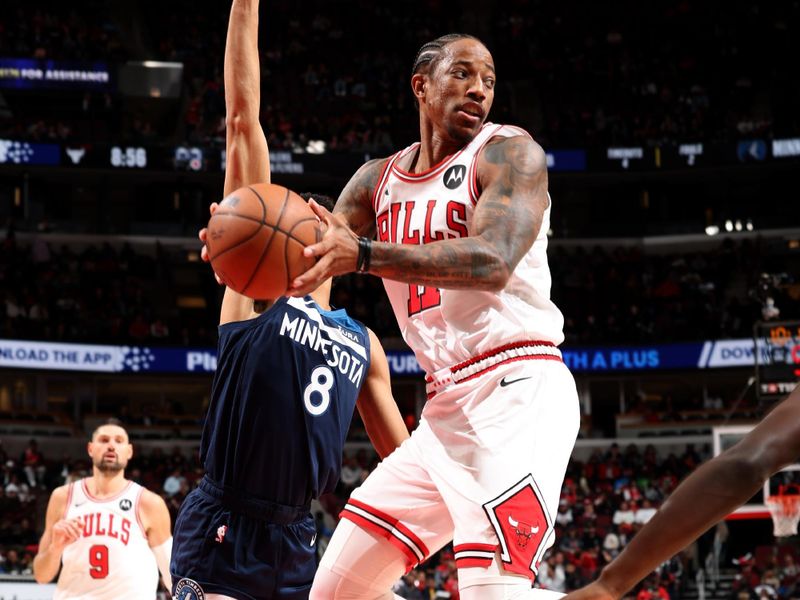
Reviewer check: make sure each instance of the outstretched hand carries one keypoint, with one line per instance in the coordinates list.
(336, 254)
(203, 234)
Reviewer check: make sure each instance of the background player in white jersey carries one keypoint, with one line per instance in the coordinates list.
(461, 220)
(109, 535)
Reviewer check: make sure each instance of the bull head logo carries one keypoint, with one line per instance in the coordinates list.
(523, 530)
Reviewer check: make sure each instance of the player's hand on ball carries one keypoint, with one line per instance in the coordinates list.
(203, 235)
(67, 531)
(336, 254)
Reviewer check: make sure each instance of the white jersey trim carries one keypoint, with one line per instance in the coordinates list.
(333, 332)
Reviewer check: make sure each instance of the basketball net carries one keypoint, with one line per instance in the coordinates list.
(785, 510)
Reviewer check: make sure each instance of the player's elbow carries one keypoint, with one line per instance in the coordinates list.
(751, 467)
(494, 276)
(769, 457)
(240, 123)
(41, 577)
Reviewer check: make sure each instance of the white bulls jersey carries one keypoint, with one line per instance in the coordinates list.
(112, 559)
(446, 327)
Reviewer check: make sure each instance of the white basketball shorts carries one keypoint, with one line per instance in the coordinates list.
(484, 468)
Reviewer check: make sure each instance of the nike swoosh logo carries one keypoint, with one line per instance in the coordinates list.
(504, 382)
(77, 504)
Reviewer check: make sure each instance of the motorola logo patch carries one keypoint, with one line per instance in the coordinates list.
(454, 176)
(125, 504)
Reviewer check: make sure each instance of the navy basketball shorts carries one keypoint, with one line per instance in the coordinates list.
(248, 549)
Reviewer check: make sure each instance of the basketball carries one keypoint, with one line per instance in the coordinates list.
(256, 239)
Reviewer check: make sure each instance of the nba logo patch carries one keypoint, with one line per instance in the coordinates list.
(188, 589)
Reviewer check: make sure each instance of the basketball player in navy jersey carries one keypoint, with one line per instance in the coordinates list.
(288, 378)
(456, 226)
(704, 498)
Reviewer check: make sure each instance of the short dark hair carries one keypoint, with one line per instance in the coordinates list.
(320, 199)
(431, 53)
(110, 421)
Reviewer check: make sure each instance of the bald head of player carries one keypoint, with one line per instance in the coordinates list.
(110, 449)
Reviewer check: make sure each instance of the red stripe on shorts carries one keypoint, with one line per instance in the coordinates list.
(411, 558)
(473, 562)
(393, 523)
(478, 547)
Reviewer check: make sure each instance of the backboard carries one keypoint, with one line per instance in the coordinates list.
(726, 436)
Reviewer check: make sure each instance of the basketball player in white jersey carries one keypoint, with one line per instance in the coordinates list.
(109, 535)
(461, 221)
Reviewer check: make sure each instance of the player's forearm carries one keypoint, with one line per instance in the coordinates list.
(387, 434)
(707, 496)
(242, 69)
(467, 263)
(46, 565)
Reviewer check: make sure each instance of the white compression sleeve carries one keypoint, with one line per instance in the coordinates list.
(163, 554)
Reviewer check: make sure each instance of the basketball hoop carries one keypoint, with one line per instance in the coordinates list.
(785, 510)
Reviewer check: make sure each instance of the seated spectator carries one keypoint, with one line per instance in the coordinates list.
(551, 573)
(644, 513)
(33, 464)
(174, 483)
(624, 515)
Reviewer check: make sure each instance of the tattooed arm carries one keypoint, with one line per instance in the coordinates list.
(355, 201)
(513, 174)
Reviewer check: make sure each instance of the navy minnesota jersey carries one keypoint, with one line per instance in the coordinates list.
(282, 400)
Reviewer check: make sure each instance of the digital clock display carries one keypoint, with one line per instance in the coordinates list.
(130, 157)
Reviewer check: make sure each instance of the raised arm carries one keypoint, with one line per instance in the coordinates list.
(246, 153)
(713, 491)
(513, 175)
(376, 405)
(58, 533)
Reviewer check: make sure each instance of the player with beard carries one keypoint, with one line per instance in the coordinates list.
(109, 535)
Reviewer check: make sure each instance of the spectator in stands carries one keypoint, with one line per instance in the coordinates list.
(33, 464)
(551, 573)
(564, 515)
(624, 515)
(16, 488)
(644, 513)
(174, 483)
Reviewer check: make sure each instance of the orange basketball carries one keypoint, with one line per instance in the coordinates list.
(256, 239)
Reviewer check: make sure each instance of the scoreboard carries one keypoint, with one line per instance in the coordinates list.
(777, 353)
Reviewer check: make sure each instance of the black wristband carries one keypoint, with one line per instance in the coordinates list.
(364, 254)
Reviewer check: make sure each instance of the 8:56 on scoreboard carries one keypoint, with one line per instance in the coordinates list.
(134, 157)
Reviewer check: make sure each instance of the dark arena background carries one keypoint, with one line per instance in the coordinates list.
(672, 132)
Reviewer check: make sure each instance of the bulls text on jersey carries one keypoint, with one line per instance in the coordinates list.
(400, 223)
(105, 524)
